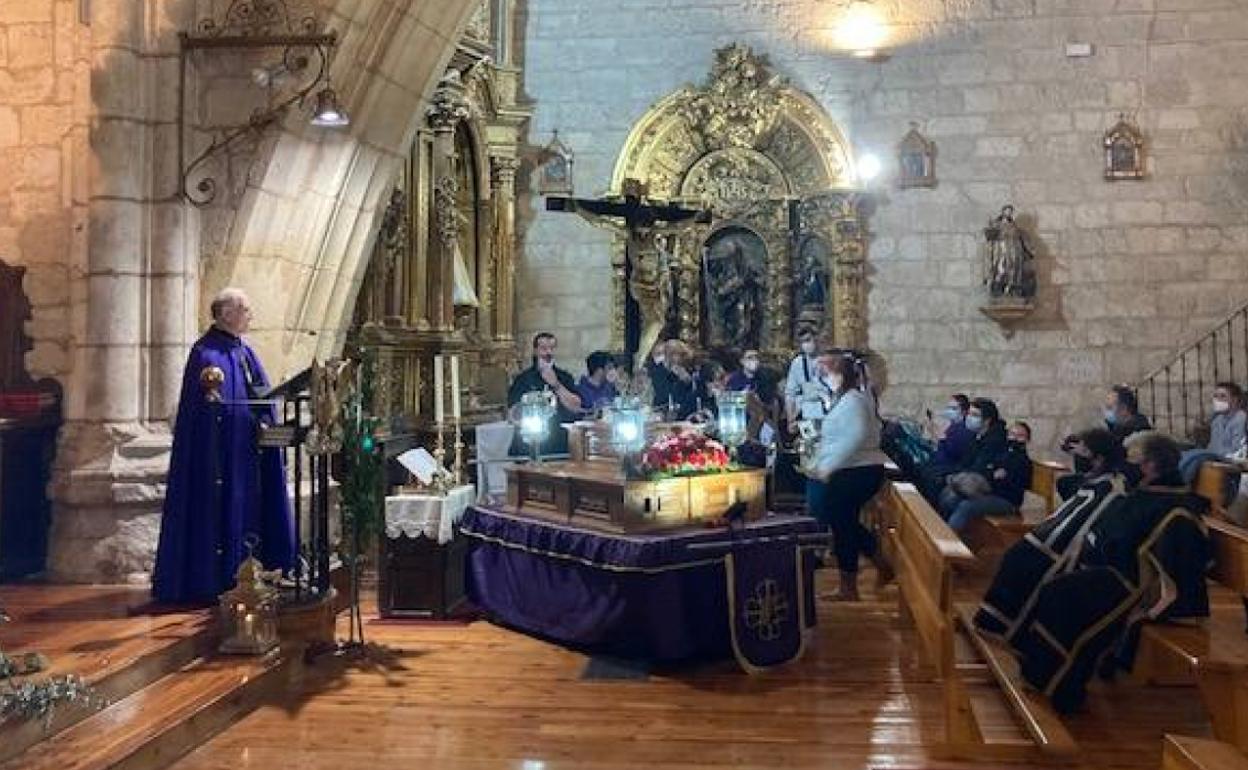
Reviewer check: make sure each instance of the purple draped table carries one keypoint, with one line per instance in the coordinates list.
(685, 595)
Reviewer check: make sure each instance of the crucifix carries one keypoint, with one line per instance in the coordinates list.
(649, 282)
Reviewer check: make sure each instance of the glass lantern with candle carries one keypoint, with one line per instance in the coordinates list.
(249, 610)
(536, 410)
(732, 417)
(627, 418)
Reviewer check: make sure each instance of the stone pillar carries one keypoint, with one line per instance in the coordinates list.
(503, 180)
(448, 108)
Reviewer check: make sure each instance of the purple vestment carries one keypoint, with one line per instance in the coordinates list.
(203, 530)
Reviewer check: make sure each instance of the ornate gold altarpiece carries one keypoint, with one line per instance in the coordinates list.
(788, 241)
(441, 278)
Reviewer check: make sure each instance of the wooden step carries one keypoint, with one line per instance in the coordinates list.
(148, 650)
(155, 726)
(1183, 753)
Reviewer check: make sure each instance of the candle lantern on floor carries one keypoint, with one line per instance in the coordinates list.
(732, 418)
(249, 610)
(627, 418)
(536, 411)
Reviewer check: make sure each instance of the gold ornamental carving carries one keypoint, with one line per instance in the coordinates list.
(788, 235)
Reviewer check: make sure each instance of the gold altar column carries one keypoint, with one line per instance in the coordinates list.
(503, 180)
(447, 108)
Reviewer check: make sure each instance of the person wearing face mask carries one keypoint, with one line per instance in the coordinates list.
(955, 444)
(748, 376)
(596, 388)
(1053, 547)
(1007, 477)
(1121, 413)
(1143, 559)
(846, 471)
(1228, 441)
(803, 393)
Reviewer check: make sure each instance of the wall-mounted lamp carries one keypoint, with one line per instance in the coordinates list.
(305, 56)
(868, 167)
(861, 30)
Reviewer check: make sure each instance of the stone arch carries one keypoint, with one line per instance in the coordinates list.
(325, 191)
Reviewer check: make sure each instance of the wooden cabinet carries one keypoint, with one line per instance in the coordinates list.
(418, 578)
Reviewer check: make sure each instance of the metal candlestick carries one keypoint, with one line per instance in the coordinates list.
(440, 484)
(459, 452)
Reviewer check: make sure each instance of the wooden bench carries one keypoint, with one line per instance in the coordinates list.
(925, 553)
(1212, 653)
(1182, 753)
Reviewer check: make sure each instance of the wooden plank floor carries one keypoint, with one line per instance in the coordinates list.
(477, 696)
(88, 630)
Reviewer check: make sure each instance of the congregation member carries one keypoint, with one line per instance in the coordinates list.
(804, 395)
(222, 490)
(846, 471)
(985, 453)
(597, 387)
(996, 487)
(1143, 558)
(748, 377)
(1228, 441)
(955, 443)
(679, 390)
(544, 375)
(1121, 413)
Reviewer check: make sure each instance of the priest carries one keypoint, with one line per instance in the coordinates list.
(223, 491)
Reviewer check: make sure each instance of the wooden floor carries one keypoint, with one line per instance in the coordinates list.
(477, 696)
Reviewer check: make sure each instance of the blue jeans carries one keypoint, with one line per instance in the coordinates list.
(967, 511)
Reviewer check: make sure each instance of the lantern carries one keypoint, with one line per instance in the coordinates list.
(732, 417)
(627, 418)
(249, 611)
(536, 409)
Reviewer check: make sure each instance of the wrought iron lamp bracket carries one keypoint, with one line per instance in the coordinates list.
(257, 25)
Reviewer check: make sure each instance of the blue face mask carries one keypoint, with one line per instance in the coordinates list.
(1111, 416)
(953, 414)
(974, 422)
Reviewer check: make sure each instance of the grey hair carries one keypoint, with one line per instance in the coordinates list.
(225, 299)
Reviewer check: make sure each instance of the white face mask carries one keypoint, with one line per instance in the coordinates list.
(833, 382)
(750, 365)
(808, 347)
(1221, 405)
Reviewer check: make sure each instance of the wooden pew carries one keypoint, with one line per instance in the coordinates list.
(1214, 652)
(1183, 753)
(925, 553)
(1003, 531)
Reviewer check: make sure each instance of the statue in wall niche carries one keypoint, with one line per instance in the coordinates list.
(733, 277)
(1011, 273)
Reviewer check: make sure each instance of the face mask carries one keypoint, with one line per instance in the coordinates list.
(808, 348)
(833, 382)
(953, 414)
(1017, 445)
(750, 365)
(1221, 405)
(1111, 416)
(657, 358)
(974, 422)
(613, 375)
(1083, 464)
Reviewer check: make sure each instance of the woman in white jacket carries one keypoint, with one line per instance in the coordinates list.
(847, 470)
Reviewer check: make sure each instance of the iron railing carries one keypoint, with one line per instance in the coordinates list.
(1176, 395)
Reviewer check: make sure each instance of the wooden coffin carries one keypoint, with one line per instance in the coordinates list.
(595, 494)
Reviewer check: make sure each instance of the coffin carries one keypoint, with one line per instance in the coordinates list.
(595, 494)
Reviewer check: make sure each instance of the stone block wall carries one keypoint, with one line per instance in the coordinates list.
(43, 122)
(1129, 271)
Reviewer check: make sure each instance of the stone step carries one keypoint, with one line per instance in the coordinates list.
(160, 723)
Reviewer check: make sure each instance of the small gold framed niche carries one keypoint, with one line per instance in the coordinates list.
(916, 160)
(554, 171)
(1124, 151)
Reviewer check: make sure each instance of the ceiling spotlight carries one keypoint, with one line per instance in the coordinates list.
(861, 30)
(328, 112)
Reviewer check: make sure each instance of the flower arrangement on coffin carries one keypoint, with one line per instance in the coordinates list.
(685, 454)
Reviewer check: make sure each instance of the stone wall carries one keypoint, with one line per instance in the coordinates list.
(1129, 271)
(44, 68)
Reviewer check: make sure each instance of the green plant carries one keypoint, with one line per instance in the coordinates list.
(362, 487)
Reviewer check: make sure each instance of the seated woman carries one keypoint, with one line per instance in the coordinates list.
(846, 471)
(1005, 479)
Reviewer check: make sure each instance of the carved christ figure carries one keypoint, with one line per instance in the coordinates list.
(650, 279)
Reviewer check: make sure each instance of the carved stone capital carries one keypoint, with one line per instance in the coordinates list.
(449, 104)
(503, 171)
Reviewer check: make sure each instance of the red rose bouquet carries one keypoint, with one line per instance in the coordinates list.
(685, 454)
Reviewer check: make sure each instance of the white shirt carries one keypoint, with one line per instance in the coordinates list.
(803, 388)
